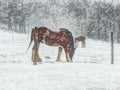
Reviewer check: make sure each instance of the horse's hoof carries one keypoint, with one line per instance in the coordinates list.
(70, 61)
(58, 60)
(39, 63)
(34, 63)
(39, 60)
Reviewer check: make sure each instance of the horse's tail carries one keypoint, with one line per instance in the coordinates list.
(30, 41)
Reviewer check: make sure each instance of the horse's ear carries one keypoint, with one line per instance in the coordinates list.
(32, 29)
(35, 28)
(47, 32)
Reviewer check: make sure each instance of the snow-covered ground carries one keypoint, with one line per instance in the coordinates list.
(90, 70)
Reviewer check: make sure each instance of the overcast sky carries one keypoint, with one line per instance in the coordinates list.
(114, 1)
(28, 1)
(65, 1)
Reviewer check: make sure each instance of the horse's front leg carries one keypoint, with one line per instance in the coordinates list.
(83, 44)
(35, 54)
(37, 50)
(59, 54)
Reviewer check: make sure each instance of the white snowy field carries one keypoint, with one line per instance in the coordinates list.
(90, 70)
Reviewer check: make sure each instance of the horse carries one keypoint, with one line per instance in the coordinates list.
(62, 39)
(81, 39)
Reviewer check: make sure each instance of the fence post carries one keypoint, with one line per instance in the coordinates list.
(112, 48)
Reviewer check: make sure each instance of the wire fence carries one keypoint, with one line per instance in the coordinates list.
(13, 50)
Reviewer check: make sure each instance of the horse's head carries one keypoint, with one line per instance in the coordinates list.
(33, 36)
(80, 39)
(42, 32)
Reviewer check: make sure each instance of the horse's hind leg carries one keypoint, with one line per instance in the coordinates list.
(68, 58)
(83, 44)
(59, 53)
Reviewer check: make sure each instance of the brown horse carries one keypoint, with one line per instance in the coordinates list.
(62, 39)
(81, 39)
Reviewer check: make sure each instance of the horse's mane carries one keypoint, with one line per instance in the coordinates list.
(43, 28)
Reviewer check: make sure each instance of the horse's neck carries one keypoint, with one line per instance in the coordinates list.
(76, 44)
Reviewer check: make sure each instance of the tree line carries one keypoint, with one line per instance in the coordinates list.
(92, 19)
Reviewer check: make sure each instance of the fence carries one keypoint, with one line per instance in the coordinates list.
(13, 48)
